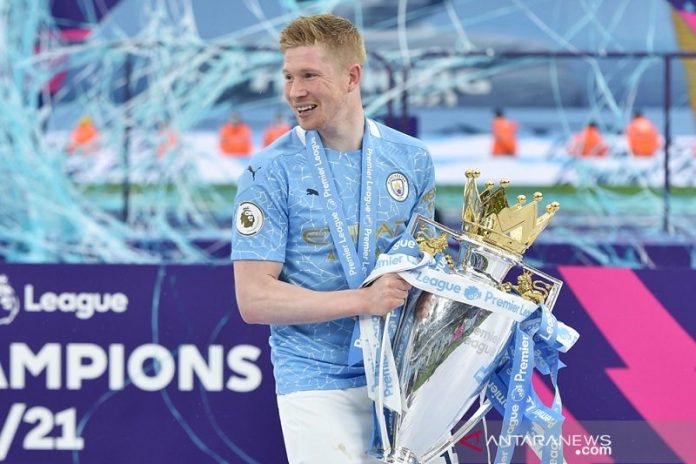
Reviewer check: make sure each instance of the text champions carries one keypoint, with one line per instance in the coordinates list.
(148, 367)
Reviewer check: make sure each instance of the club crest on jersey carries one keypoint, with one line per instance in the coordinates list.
(249, 218)
(397, 186)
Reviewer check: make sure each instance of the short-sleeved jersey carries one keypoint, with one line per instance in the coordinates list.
(280, 217)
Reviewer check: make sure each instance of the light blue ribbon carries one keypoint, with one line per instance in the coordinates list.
(510, 389)
(356, 264)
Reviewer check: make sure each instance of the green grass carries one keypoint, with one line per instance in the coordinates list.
(550, 190)
(626, 199)
(447, 190)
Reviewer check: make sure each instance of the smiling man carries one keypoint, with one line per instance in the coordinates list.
(358, 183)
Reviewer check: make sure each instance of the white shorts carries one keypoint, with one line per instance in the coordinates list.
(329, 427)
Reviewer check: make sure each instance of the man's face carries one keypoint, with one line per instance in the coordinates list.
(316, 87)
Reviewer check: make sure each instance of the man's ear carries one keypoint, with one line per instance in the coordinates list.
(354, 77)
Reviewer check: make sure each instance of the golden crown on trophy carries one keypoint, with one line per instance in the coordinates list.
(487, 216)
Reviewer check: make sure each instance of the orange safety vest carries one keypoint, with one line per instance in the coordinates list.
(83, 134)
(643, 138)
(504, 141)
(273, 132)
(589, 142)
(235, 139)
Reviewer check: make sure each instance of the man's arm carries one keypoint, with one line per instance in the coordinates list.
(263, 299)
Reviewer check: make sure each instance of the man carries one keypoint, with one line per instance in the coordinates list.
(504, 135)
(84, 138)
(235, 137)
(168, 140)
(643, 137)
(312, 212)
(589, 142)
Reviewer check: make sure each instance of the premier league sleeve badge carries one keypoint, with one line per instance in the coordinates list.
(249, 219)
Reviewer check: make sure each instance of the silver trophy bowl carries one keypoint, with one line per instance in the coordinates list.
(445, 349)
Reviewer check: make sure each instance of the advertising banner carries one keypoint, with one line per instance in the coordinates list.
(131, 364)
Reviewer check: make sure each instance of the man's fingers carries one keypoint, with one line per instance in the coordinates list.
(401, 283)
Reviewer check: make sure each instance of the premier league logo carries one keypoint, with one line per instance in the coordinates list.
(9, 303)
(249, 218)
(472, 293)
(518, 393)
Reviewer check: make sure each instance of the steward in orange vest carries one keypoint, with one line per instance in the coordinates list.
(504, 135)
(643, 138)
(277, 128)
(589, 142)
(235, 137)
(84, 138)
(168, 141)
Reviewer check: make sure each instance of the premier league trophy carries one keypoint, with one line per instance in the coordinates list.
(453, 330)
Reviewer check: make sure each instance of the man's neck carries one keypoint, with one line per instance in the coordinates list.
(347, 137)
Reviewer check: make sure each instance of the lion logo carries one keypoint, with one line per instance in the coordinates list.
(9, 303)
(249, 218)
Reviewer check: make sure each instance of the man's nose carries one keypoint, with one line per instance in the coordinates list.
(295, 90)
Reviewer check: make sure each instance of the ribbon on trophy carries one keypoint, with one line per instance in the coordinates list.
(403, 255)
(380, 365)
(536, 344)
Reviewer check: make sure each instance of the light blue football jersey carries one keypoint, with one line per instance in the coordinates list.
(279, 217)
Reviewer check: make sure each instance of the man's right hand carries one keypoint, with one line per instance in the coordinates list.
(386, 293)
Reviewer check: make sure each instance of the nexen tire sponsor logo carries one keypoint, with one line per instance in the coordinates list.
(83, 304)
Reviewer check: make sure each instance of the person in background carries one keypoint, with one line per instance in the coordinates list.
(504, 135)
(84, 138)
(643, 137)
(589, 142)
(338, 189)
(168, 140)
(235, 137)
(277, 128)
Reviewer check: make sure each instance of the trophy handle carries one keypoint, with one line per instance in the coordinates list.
(464, 429)
(553, 289)
(456, 436)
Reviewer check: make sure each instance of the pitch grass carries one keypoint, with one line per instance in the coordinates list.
(218, 198)
(550, 190)
(228, 190)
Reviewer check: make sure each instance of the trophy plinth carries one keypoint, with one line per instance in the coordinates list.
(402, 456)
